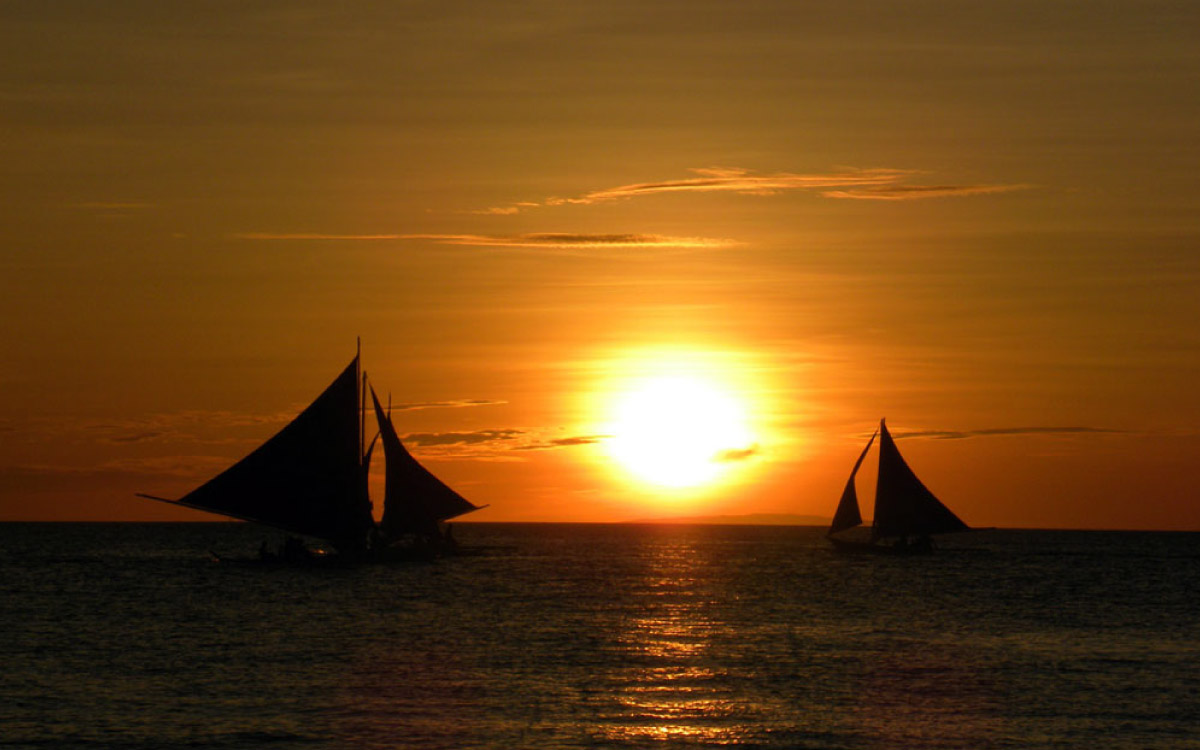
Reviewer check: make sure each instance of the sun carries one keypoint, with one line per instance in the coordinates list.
(678, 430)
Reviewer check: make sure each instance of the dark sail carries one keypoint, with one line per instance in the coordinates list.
(848, 515)
(414, 499)
(903, 506)
(307, 479)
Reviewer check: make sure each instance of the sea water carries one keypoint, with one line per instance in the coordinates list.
(605, 636)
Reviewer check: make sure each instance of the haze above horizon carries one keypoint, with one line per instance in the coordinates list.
(611, 261)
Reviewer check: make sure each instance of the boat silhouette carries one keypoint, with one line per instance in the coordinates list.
(310, 479)
(907, 514)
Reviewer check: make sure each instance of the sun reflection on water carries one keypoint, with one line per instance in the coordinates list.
(672, 690)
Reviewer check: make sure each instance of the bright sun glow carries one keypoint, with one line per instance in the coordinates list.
(678, 430)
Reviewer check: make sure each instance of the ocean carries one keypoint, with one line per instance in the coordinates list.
(600, 636)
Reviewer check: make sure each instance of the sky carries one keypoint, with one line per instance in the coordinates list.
(575, 236)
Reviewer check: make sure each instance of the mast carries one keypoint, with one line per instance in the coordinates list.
(362, 402)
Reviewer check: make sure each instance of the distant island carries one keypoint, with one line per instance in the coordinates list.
(747, 519)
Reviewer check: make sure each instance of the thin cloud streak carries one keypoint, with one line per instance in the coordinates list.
(1005, 431)
(738, 454)
(490, 444)
(920, 192)
(564, 240)
(563, 442)
(874, 184)
(734, 180)
(460, 404)
(424, 439)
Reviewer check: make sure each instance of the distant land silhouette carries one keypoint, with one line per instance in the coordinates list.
(747, 519)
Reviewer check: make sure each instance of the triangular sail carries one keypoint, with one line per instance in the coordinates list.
(414, 499)
(848, 515)
(307, 479)
(903, 505)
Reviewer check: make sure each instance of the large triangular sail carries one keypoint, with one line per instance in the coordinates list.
(415, 501)
(848, 515)
(308, 478)
(903, 505)
(311, 478)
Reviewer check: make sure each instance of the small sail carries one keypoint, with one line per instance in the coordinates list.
(414, 499)
(903, 505)
(848, 515)
(307, 479)
(365, 474)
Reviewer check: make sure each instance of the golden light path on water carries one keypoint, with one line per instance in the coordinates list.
(673, 690)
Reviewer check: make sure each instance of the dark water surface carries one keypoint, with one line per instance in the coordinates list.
(574, 636)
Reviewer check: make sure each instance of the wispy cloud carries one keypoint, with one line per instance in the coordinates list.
(144, 436)
(876, 184)
(919, 192)
(496, 444)
(515, 208)
(562, 442)
(738, 454)
(284, 236)
(564, 240)
(1004, 431)
(734, 180)
(423, 439)
(459, 404)
(580, 241)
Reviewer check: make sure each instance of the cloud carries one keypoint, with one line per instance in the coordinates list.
(871, 184)
(738, 454)
(562, 442)
(505, 438)
(315, 236)
(424, 439)
(582, 241)
(515, 208)
(734, 180)
(565, 240)
(459, 404)
(1003, 431)
(490, 444)
(137, 437)
(919, 192)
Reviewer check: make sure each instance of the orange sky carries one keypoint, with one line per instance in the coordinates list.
(979, 222)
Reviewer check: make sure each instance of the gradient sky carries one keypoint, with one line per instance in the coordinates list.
(980, 220)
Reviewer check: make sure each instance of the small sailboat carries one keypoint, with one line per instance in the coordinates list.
(907, 514)
(310, 479)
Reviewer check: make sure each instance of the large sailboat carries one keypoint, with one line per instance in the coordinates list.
(310, 479)
(907, 514)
